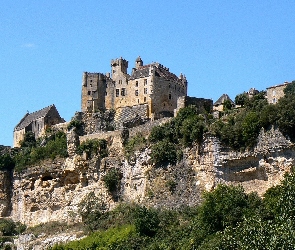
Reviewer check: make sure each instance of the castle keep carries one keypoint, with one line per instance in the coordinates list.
(151, 89)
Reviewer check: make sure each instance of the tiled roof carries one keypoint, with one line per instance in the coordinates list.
(29, 117)
(223, 98)
(160, 71)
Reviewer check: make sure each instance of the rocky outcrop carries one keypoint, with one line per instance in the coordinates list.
(53, 190)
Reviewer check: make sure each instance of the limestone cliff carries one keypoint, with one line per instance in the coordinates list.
(53, 190)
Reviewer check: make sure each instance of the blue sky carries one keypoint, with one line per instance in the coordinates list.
(221, 47)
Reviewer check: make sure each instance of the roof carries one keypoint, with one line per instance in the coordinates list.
(29, 117)
(160, 70)
(280, 85)
(222, 99)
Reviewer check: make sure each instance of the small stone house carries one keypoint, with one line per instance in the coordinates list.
(218, 105)
(274, 93)
(37, 122)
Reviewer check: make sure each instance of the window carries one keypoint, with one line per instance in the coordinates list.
(169, 96)
(106, 93)
(120, 81)
(123, 92)
(90, 80)
(117, 92)
(145, 90)
(145, 81)
(273, 92)
(144, 99)
(136, 84)
(169, 85)
(274, 100)
(136, 92)
(89, 92)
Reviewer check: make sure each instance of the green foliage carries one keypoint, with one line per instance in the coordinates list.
(6, 162)
(241, 99)
(136, 143)
(113, 238)
(290, 89)
(112, 180)
(91, 209)
(93, 147)
(186, 128)
(223, 207)
(164, 152)
(228, 218)
(146, 221)
(78, 125)
(227, 105)
(29, 140)
(55, 146)
(10, 228)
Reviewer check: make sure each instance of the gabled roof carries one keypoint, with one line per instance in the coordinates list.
(222, 99)
(29, 117)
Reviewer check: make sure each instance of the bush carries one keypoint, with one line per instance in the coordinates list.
(136, 143)
(6, 162)
(56, 146)
(112, 180)
(164, 152)
(93, 147)
(146, 221)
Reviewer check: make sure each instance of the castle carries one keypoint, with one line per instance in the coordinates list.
(152, 88)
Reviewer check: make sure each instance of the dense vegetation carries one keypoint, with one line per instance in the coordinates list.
(228, 218)
(237, 128)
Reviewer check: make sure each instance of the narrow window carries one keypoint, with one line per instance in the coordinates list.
(123, 92)
(106, 93)
(144, 99)
(89, 92)
(169, 96)
(145, 81)
(117, 92)
(145, 90)
(136, 84)
(136, 92)
(137, 100)
(169, 85)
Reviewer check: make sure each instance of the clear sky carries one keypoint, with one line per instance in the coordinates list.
(221, 47)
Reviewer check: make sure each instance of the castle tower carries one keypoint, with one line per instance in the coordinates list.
(138, 62)
(119, 67)
(93, 92)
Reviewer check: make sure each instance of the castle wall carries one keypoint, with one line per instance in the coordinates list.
(203, 105)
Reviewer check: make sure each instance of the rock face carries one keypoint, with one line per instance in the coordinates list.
(53, 190)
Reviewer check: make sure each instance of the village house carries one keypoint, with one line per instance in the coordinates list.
(36, 122)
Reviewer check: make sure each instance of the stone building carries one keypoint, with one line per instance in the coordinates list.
(218, 105)
(36, 122)
(150, 91)
(274, 93)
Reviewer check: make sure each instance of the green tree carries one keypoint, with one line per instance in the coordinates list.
(146, 221)
(112, 180)
(241, 99)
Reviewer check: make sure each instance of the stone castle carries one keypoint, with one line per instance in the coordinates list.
(152, 88)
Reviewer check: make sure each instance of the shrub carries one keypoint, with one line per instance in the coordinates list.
(6, 162)
(136, 143)
(112, 179)
(93, 147)
(146, 221)
(163, 152)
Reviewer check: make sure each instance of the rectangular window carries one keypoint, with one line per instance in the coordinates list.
(136, 92)
(123, 92)
(145, 81)
(120, 81)
(106, 93)
(136, 84)
(89, 92)
(117, 92)
(145, 90)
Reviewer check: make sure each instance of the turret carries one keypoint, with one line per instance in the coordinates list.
(138, 62)
(119, 66)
